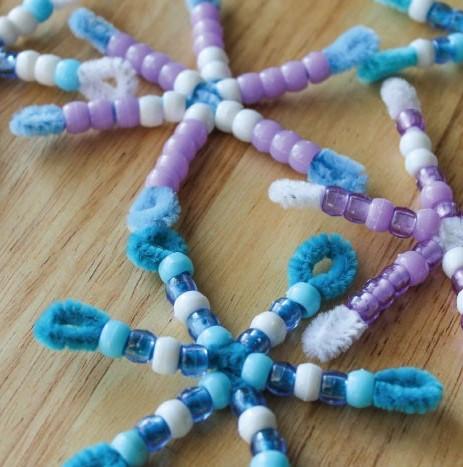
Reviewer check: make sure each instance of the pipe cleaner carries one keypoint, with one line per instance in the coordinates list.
(437, 228)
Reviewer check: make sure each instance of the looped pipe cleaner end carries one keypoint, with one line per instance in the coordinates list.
(38, 120)
(99, 455)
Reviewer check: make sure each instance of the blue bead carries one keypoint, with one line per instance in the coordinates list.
(456, 40)
(199, 402)
(41, 10)
(173, 265)
(140, 346)
(245, 397)
(200, 320)
(194, 360)
(113, 339)
(256, 370)
(255, 340)
(267, 440)
(219, 387)
(360, 387)
(457, 21)
(154, 431)
(290, 312)
(7, 63)
(269, 459)
(440, 15)
(307, 296)
(178, 285)
(131, 447)
(215, 337)
(66, 75)
(281, 379)
(443, 48)
(333, 388)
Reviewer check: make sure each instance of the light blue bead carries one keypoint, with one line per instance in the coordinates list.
(113, 339)
(307, 296)
(66, 77)
(457, 44)
(174, 265)
(131, 447)
(41, 10)
(219, 387)
(215, 337)
(256, 369)
(359, 388)
(269, 459)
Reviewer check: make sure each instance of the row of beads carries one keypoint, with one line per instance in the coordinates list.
(443, 16)
(440, 50)
(379, 214)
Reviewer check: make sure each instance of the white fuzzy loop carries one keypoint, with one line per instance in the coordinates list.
(451, 233)
(296, 194)
(399, 95)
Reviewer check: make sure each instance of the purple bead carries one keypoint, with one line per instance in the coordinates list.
(273, 82)
(409, 118)
(208, 39)
(435, 193)
(136, 53)
(127, 112)
(77, 117)
(162, 177)
(207, 26)
(205, 10)
(152, 65)
(263, 134)
(402, 223)
(168, 73)
(379, 215)
(457, 280)
(416, 266)
(382, 290)
(357, 208)
(295, 76)
(366, 305)
(118, 45)
(398, 276)
(431, 252)
(302, 154)
(101, 114)
(282, 144)
(447, 209)
(194, 130)
(427, 224)
(317, 66)
(180, 144)
(335, 201)
(251, 88)
(174, 163)
(428, 175)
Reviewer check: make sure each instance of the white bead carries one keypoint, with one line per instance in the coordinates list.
(186, 82)
(215, 70)
(308, 381)
(417, 159)
(23, 21)
(419, 9)
(255, 419)
(453, 260)
(211, 54)
(413, 139)
(225, 114)
(229, 89)
(188, 303)
(272, 325)
(460, 302)
(151, 113)
(8, 33)
(177, 416)
(174, 105)
(166, 355)
(425, 51)
(244, 123)
(25, 65)
(45, 67)
(203, 113)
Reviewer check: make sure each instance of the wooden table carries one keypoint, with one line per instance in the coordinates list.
(63, 206)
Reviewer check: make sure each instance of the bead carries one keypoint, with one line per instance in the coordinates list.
(119, 44)
(402, 223)
(244, 398)
(272, 325)
(177, 416)
(269, 459)
(254, 340)
(225, 114)
(244, 124)
(447, 209)
(203, 113)
(416, 266)
(366, 305)
(255, 419)
(41, 10)
(413, 139)
(302, 155)
(66, 75)
(419, 9)
(131, 447)
(194, 130)
(101, 112)
(180, 144)
(435, 193)
(359, 388)
(205, 10)
(317, 67)
(179, 285)
(219, 387)
(267, 440)
(307, 296)
(281, 145)
(444, 49)
(7, 63)
(186, 82)
(263, 134)
(460, 302)
(113, 338)
(457, 280)
(273, 82)
(440, 15)
(135, 55)
(168, 74)
(45, 67)
(173, 105)
(215, 337)
(452, 261)
(215, 71)
(335, 201)
(382, 290)
(199, 403)
(207, 39)
(25, 65)
(23, 20)
(333, 388)
(8, 33)
(256, 369)
(166, 355)
(357, 208)
(154, 431)
(200, 320)
(308, 381)
(229, 89)
(431, 251)
(194, 360)
(289, 311)
(211, 54)
(425, 52)
(251, 88)
(428, 175)
(379, 215)
(427, 224)
(189, 302)
(456, 41)
(77, 117)
(140, 346)
(398, 276)
(410, 118)
(282, 379)
(295, 76)
(151, 111)
(152, 65)
(174, 265)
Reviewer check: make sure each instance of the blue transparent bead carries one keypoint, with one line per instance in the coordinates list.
(154, 431)
(440, 15)
(245, 397)
(333, 388)
(281, 379)
(7, 63)
(194, 360)
(255, 340)
(443, 48)
(267, 440)
(178, 285)
(290, 312)
(140, 346)
(199, 403)
(200, 320)
(457, 21)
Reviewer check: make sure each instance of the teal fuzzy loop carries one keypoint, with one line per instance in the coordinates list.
(407, 390)
(99, 455)
(399, 5)
(70, 324)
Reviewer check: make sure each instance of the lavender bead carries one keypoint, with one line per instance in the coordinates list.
(205, 10)
(366, 305)
(168, 73)
(302, 155)
(152, 65)
(427, 224)
(295, 76)
(175, 163)
(207, 26)
(263, 134)
(282, 144)
(447, 209)
(416, 266)
(317, 66)
(127, 112)
(77, 117)
(409, 118)
(102, 115)
(273, 82)
(180, 144)
(457, 280)
(136, 54)
(431, 251)
(118, 45)
(435, 193)
(334, 201)
(379, 215)
(207, 39)
(428, 175)
(251, 88)
(398, 276)
(402, 223)
(357, 208)
(162, 177)
(194, 130)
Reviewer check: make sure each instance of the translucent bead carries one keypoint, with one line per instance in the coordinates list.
(281, 379)
(440, 15)
(447, 209)
(399, 277)
(357, 208)
(366, 305)
(428, 175)
(443, 49)
(200, 320)
(457, 21)
(333, 388)
(382, 290)
(291, 312)
(140, 346)
(154, 432)
(199, 403)
(267, 440)
(245, 397)
(457, 280)
(7, 63)
(335, 201)
(403, 223)
(409, 118)
(431, 251)
(255, 341)
(194, 360)
(178, 285)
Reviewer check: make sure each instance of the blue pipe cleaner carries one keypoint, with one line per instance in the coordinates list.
(205, 93)
(38, 120)
(70, 324)
(99, 455)
(400, 5)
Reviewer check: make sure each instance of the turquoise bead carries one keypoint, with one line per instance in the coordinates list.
(215, 337)
(219, 387)
(359, 388)
(307, 296)
(269, 459)
(66, 77)
(41, 10)
(174, 265)
(457, 44)
(256, 369)
(131, 447)
(113, 339)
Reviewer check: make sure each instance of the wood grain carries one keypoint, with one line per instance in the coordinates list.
(63, 203)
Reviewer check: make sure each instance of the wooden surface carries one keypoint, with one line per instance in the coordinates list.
(63, 203)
